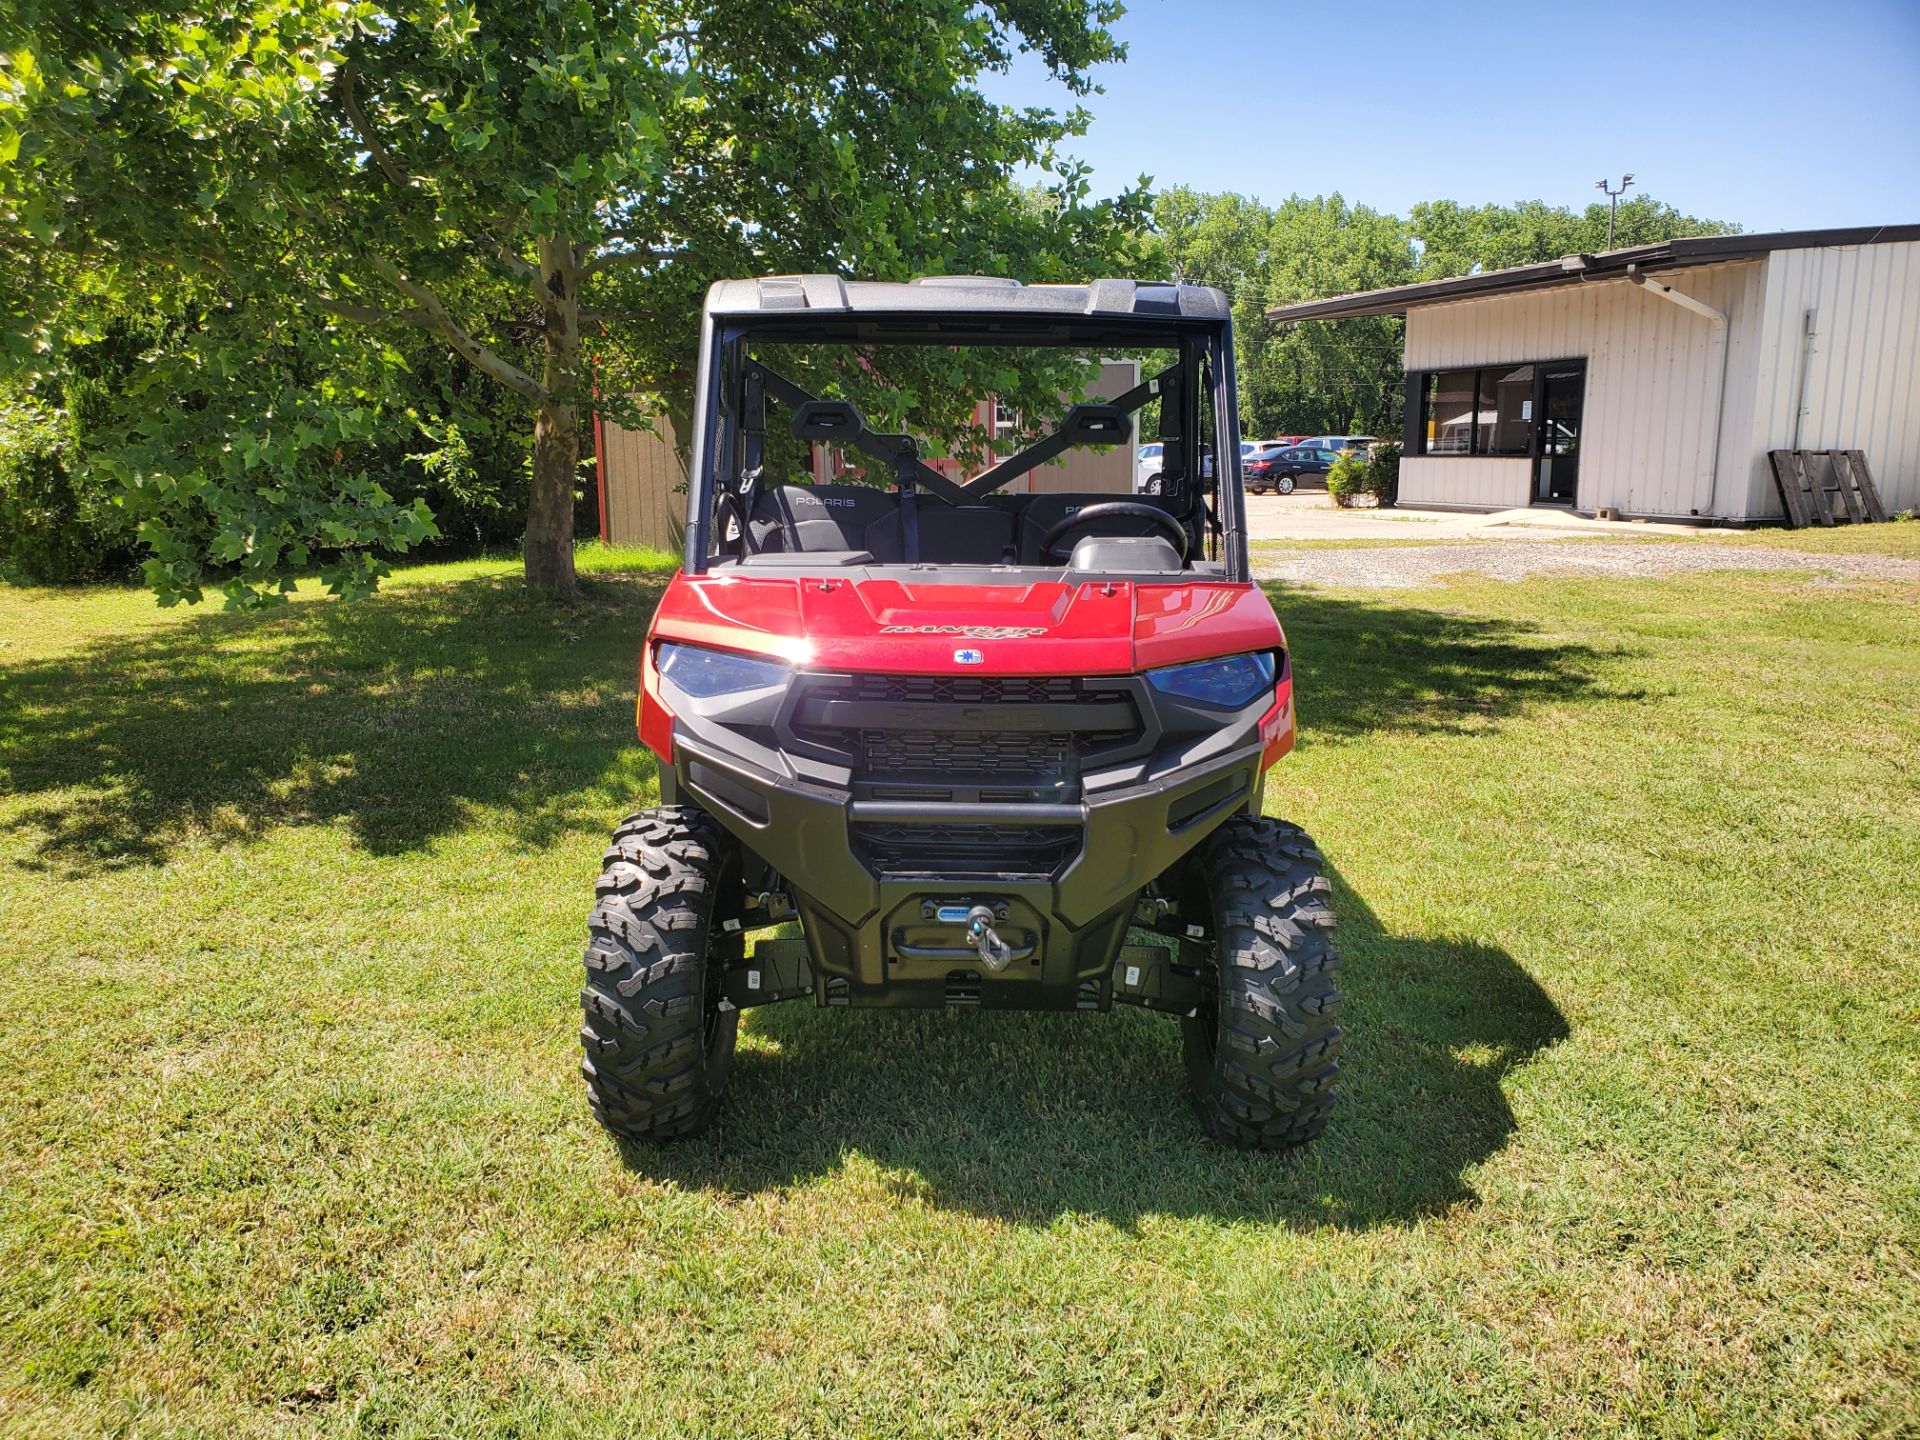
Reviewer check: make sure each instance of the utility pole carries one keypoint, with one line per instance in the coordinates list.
(1613, 200)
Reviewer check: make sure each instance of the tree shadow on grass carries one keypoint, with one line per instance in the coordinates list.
(1029, 1117)
(398, 716)
(1364, 666)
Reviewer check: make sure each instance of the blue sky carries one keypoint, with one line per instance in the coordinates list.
(1774, 116)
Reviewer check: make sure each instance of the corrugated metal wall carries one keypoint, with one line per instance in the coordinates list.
(1863, 380)
(1105, 472)
(645, 485)
(1653, 370)
(1483, 482)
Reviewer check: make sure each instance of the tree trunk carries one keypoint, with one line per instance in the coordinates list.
(548, 546)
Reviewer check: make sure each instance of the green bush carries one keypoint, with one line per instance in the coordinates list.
(1383, 474)
(59, 520)
(128, 412)
(1346, 480)
(1375, 474)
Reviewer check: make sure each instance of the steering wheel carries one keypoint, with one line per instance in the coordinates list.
(1106, 508)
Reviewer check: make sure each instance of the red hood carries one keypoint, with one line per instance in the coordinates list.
(1047, 627)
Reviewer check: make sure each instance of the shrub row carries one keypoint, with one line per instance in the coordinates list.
(1375, 475)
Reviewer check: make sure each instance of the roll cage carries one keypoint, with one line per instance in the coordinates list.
(734, 509)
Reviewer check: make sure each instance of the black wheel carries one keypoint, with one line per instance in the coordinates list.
(659, 1034)
(1284, 484)
(1262, 1050)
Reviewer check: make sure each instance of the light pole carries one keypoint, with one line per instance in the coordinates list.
(1613, 200)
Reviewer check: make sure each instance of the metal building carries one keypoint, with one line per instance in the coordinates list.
(1653, 381)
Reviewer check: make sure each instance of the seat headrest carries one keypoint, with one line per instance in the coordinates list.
(827, 420)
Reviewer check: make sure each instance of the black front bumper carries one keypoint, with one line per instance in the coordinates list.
(872, 862)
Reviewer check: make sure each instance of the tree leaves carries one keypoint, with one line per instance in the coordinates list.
(279, 167)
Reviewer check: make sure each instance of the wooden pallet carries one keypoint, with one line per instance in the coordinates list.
(1825, 487)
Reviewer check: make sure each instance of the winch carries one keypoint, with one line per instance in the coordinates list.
(993, 932)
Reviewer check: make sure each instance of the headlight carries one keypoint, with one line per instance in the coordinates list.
(705, 673)
(1238, 680)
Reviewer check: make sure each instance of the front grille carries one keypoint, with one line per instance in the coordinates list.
(962, 734)
(1038, 757)
(965, 850)
(965, 690)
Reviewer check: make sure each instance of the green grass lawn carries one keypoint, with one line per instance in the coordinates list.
(292, 1139)
(1901, 538)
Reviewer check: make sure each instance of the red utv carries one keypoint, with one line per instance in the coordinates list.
(976, 746)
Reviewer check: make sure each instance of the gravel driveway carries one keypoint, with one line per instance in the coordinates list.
(1403, 566)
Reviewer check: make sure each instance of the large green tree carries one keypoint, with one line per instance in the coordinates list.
(544, 188)
(1457, 239)
(1306, 378)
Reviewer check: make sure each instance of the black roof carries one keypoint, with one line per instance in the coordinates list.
(1574, 269)
(964, 295)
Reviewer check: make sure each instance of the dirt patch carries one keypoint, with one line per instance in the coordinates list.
(1402, 567)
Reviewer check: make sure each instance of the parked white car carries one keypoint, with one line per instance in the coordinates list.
(1146, 465)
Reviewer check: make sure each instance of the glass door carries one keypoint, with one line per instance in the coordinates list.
(1562, 388)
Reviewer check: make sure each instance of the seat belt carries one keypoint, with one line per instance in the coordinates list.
(905, 467)
(753, 431)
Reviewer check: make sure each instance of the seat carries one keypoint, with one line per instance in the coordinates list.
(951, 534)
(813, 518)
(1042, 512)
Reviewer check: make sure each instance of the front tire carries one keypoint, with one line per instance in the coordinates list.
(1262, 1050)
(658, 1034)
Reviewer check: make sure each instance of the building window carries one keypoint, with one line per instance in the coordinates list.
(1510, 428)
(1449, 417)
(1477, 412)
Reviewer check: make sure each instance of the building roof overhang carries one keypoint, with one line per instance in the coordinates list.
(1584, 269)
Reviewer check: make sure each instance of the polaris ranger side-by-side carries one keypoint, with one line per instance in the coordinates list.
(964, 739)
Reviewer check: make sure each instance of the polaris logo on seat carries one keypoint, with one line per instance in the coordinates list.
(971, 632)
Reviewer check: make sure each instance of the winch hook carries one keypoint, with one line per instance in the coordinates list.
(995, 953)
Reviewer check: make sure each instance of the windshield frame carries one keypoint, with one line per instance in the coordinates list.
(1205, 348)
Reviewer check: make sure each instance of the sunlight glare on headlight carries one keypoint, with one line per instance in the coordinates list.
(1235, 681)
(705, 673)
